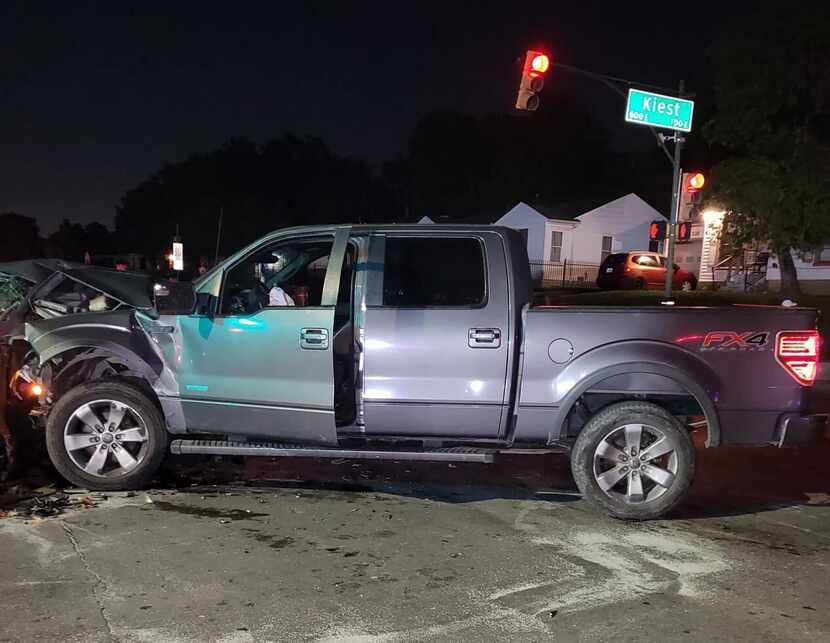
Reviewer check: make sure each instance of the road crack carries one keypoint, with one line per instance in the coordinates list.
(98, 584)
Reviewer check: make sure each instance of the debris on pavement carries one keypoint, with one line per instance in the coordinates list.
(20, 501)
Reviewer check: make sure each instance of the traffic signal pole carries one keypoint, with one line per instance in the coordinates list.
(527, 93)
(671, 237)
(611, 82)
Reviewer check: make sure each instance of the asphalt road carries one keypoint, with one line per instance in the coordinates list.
(347, 551)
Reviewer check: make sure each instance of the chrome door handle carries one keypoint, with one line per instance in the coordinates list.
(314, 339)
(484, 338)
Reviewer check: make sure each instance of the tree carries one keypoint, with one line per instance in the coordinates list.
(258, 188)
(20, 238)
(68, 241)
(771, 129)
(97, 239)
(459, 165)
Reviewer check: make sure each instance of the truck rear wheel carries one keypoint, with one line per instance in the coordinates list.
(634, 460)
(107, 436)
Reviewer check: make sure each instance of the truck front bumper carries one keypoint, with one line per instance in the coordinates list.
(797, 430)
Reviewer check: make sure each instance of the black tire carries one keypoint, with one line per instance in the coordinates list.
(139, 403)
(606, 424)
(640, 284)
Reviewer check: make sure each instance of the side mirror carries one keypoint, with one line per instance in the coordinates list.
(174, 297)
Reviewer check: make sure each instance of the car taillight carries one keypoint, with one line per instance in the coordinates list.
(798, 351)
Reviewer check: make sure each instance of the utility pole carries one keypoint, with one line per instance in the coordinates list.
(671, 237)
(218, 234)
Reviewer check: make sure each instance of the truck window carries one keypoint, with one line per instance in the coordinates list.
(283, 275)
(421, 272)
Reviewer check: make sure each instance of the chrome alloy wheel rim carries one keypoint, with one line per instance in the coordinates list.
(106, 438)
(635, 463)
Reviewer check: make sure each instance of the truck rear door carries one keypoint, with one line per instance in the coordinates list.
(436, 332)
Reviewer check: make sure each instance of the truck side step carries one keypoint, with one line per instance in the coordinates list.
(274, 449)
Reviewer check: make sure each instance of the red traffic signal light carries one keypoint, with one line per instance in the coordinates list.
(540, 63)
(536, 65)
(657, 230)
(684, 231)
(693, 181)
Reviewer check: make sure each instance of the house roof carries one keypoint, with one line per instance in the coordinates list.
(482, 218)
(572, 209)
(479, 218)
(569, 210)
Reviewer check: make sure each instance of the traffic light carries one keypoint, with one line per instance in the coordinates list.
(536, 66)
(657, 230)
(684, 230)
(693, 183)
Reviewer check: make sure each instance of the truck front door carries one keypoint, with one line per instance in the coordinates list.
(436, 335)
(261, 363)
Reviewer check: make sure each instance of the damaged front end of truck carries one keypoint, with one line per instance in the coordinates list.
(48, 290)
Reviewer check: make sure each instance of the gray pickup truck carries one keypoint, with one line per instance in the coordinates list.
(416, 343)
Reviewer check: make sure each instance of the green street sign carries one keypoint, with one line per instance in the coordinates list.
(657, 110)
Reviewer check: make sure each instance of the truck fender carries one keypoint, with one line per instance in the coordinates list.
(117, 334)
(690, 375)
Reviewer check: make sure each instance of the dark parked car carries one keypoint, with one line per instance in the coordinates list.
(640, 270)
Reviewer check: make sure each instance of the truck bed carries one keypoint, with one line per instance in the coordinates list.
(729, 351)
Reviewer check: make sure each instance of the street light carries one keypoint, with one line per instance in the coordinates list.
(713, 217)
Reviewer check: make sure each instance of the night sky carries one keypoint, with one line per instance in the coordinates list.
(93, 99)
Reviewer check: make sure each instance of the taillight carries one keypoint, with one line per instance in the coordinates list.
(798, 351)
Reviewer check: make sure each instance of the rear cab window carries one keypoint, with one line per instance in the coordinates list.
(430, 272)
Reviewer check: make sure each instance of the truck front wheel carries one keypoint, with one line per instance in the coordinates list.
(633, 459)
(106, 435)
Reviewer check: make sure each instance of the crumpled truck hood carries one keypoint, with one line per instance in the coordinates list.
(129, 288)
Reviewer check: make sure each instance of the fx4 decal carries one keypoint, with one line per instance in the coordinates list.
(728, 340)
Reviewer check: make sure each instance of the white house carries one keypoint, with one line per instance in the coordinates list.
(577, 233)
(752, 267)
(812, 268)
